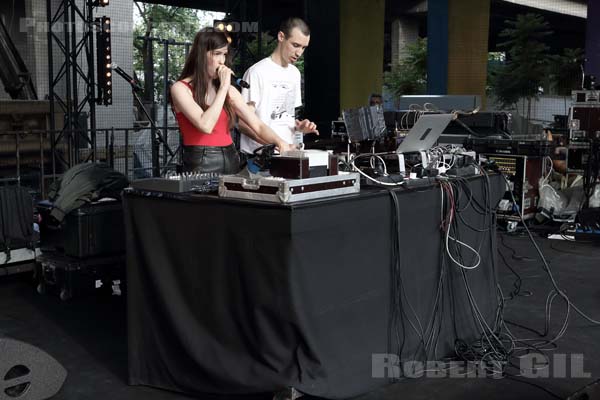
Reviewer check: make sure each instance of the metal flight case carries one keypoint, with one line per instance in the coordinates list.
(286, 191)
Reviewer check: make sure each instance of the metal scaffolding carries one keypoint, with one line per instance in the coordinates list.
(65, 24)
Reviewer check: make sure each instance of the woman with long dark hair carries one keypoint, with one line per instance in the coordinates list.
(206, 105)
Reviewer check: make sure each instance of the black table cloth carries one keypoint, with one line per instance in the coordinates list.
(233, 296)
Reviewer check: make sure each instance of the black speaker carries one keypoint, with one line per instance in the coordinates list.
(28, 373)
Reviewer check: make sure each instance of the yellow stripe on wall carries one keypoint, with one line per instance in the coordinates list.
(468, 31)
(361, 51)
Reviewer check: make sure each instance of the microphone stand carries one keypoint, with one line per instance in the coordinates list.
(156, 134)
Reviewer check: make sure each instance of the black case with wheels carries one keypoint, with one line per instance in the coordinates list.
(71, 276)
(95, 229)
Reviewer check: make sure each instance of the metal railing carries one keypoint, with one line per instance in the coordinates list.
(34, 158)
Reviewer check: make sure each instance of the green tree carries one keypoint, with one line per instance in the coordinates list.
(164, 22)
(565, 71)
(409, 76)
(251, 51)
(524, 71)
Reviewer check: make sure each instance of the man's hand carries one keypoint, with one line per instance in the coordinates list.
(284, 147)
(306, 126)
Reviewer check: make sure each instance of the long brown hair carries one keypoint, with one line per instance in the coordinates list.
(196, 67)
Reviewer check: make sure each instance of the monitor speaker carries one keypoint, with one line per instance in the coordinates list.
(28, 373)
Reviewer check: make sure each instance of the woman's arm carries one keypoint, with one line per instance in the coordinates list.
(203, 120)
(251, 120)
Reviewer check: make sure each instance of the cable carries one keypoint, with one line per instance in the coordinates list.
(547, 267)
(353, 166)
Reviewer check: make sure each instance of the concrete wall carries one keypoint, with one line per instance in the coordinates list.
(405, 31)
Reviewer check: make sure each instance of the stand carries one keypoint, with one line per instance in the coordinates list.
(156, 134)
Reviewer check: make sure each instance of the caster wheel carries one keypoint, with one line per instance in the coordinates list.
(65, 294)
(41, 288)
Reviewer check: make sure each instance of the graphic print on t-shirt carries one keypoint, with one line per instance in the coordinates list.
(282, 105)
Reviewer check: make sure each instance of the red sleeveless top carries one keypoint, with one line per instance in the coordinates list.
(193, 137)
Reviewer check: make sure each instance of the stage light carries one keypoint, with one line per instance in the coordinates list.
(100, 3)
(104, 61)
(223, 26)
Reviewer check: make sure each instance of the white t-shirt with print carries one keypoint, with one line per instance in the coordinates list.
(276, 91)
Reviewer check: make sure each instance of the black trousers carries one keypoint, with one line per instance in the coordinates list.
(204, 159)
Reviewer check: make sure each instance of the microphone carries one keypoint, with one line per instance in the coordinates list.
(239, 82)
(125, 76)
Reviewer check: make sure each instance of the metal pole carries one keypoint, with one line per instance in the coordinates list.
(51, 87)
(127, 152)
(73, 106)
(18, 157)
(112, 148)
(91, 75)
(94, 149)
(42, 162)
(106, 146)
(150, 96)
(68, 98)
(165, 102)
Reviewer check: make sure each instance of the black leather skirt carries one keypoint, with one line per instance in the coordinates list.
(204, 159)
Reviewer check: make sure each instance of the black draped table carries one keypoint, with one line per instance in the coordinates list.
(233, 296)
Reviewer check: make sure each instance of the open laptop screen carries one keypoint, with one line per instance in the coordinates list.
(425, 132)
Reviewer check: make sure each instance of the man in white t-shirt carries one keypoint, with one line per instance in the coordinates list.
(275, 86)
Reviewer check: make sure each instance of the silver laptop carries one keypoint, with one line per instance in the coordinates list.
(424, 134)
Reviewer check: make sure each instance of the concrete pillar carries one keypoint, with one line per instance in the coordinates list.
(405, 31)
(592, 42)
(361, 50)
(437, 46)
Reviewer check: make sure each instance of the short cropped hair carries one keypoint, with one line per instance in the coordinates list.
(289, 24)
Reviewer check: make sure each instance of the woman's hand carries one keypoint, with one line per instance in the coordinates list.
(225, 74)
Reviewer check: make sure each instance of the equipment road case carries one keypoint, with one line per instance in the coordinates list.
(74, 276)
(280, 190)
